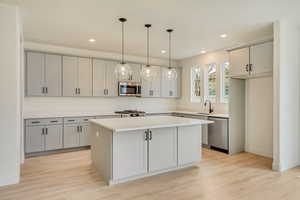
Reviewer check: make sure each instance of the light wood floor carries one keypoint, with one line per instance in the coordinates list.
(70, 176)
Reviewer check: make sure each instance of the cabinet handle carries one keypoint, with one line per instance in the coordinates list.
(170, 93)
(43, 90)
(247, 68)
(35, 122)
(75, 90)
(250, 67)
(78, 90)
(146, 135)
(54, 121)
(46, 88)
(77, 128)
(81, 129)
(150, 138)
(46, 131)
(43, 131)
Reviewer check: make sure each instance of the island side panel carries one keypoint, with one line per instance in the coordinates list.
(189, 145)
(101, 150)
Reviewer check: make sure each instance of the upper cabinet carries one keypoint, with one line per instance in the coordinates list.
(104, 79)
(253, 61)
(170, 88)
(43, 74)
(151, 88)
(135, 76)
(77, 76)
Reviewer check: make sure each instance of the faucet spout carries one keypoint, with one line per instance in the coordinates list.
(211, 110)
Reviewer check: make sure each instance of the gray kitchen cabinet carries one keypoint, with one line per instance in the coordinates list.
(105, 82)
(253, 61)
(166, 139)
(43, 74)
(151, 88)
(53, 137)
(170, 88)
(71, 135)
(135, 75)
(76, 132)
(34, 139)
(77, 76)
(43, 135)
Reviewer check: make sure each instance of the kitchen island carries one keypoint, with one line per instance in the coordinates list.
(129, 148)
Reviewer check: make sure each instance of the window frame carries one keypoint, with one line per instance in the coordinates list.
(223, 98)
(214, 98)
(193, 97)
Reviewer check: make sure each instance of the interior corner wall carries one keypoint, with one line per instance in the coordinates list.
(10, 111)
(286, 82)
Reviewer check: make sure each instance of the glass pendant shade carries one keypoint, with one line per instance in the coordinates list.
(171, 74)
(123, 71)
(148, 73)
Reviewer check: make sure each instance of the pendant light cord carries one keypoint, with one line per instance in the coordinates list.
(170, 49)
(123, 43)
(147, 46)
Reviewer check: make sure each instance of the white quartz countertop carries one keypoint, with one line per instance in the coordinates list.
(54, 114)
(148, 122)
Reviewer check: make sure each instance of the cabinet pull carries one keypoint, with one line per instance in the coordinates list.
(146, 135)
(77, 128)
(150, 138)
(71, 120)
(35, 122)
(247, 68)
(250, 67)
(43, 90)
(46, 131)
(46, 88)
(81, 129)
(53, 121)
(43, 131)
(78, 90)
(170, 93)
(75, 90)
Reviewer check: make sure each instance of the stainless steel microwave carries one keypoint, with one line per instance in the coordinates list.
(132, 89)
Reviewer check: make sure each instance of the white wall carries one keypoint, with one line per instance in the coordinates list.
(286, 94)
(259, 116)
(10, 112)
(185, 103)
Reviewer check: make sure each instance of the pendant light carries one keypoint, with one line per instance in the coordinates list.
(171, 73)
(123, 70)
(147, 72)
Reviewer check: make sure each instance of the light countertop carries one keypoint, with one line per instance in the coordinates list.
(36, 115)
(148, 122)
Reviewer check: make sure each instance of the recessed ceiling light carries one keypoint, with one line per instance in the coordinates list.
(203, 52)
(92, 40)
(223, 35)
(163, 51)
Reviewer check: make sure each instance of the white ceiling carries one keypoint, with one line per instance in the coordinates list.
(197, 23)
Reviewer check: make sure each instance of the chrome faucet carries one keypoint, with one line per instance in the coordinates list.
(210, 106)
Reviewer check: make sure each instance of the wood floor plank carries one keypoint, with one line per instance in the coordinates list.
(70, 176)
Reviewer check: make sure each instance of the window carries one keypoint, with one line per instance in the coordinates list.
(225, 82)
(196, 84)
(211, 89)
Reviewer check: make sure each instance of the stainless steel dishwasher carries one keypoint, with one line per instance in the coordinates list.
(218, 137)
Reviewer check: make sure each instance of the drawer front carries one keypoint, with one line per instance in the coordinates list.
(108, 116)
(43, 121)
(71, 120)
(85, 119)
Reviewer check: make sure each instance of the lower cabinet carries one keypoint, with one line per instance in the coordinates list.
(71, 136)
(43, 135)
(136, 153)
(162, 149)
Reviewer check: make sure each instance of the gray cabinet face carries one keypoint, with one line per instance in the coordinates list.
(163, 149)
(85, 72)
(53, 68)
(70, 75)
(238, 60)
(111, 79)
(151, 88)
(99, 77)
(261, 57)
(34, 139)
(35, 73)
(71, 136)
(84, 136)
(53, 137)
(170, 88)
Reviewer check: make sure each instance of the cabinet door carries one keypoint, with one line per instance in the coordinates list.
(71, 136)
(35, 63)
(111, 79)
(167, 85)
(53, 68)
(261, 57)
(136, 73)
(163, 149)
(70, 75)
(189, 144)
(151, 88)
(34, 139)
(238, 60)
(146, 87)
(84, 139)
(53, 137)
(129, 154)
(99, 77)
(85, 75)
